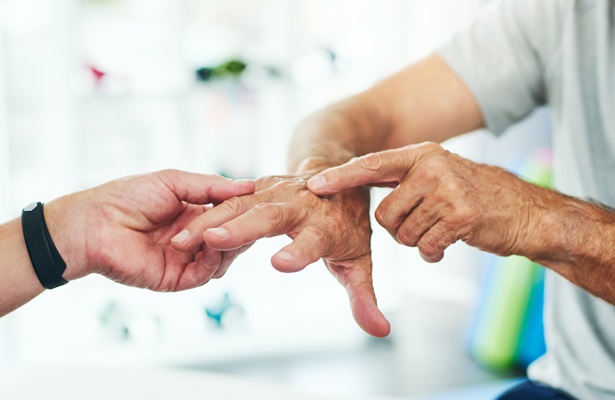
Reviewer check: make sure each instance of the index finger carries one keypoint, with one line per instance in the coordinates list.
(385, 167)
(192, 235)
(203, 189)
(263, 220)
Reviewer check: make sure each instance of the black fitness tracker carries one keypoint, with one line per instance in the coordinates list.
(46, 260)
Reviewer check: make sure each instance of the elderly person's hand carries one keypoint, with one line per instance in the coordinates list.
(440, 198)
(335, 229)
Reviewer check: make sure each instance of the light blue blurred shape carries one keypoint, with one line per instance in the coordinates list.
(489, 391)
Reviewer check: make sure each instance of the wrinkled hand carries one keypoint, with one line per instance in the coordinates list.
(336, 229)
(440, 198)
(126, 227)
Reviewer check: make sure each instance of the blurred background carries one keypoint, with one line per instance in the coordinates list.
(91, 90)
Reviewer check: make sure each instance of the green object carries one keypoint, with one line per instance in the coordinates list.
(229, 69)
(509, 291)
(507, 331)
(232, 68)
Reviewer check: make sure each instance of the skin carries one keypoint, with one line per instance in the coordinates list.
(283, 205)
(371, 121)
(122, 230)
(439, 197)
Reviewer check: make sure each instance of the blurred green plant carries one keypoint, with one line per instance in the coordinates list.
(232, 68)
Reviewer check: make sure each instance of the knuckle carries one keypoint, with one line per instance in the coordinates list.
(433, 245)
(381, 215)
(465, 211)
(317, 239)
(208, 269)
(451, 186)
(428, 246)
(234, 206)
(266, 182)
(227, 259)
(168, 177)
(284, 184)
(431, 169)
(305, 196)
(194, 278)
(166, 286)
(272, 213)
(406, 236)
(463, 214)
(370, 162)
(168, 173)
(266, 209)
(388, 222)
(220, 273)
(432, 146)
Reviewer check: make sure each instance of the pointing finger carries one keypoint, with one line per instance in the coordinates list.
(385, 167)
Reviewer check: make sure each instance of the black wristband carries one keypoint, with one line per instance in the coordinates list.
(46, 260)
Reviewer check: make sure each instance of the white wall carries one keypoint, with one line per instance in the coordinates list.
(5, 161)
(82, 136)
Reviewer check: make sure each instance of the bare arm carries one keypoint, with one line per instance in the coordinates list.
(19, 283)
(424, 102)
(440, 198)
(121, 230)
(427, 102)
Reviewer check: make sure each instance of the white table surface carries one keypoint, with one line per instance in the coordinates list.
(81, 383)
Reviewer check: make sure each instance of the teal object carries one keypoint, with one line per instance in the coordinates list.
(507, 331)
(531, 343)
(508, 324)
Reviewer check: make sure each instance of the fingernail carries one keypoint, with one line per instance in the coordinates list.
(317, 182)
(181, 236)
(426, 258)
(219, 232)
(286, 256)
(242, 180)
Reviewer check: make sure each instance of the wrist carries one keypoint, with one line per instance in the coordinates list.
(67, 222)
(573, 232)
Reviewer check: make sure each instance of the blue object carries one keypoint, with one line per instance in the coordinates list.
(533, 391)
(531, 343)
(507, 331)
(486, 391)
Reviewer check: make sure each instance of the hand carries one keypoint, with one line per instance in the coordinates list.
(124, 229)
(440, 198)
(336, 229)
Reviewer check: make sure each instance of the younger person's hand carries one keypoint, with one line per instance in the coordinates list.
(123, 229)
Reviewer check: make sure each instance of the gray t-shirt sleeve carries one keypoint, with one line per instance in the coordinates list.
(498, 57)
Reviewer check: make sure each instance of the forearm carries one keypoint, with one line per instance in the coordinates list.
(442, 198)
(18, 282)
(338, 133)
(572, 237)
(424, 102)
(577, 242)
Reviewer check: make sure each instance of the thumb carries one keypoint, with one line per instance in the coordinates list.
(385, 167)
(204, 189)
(357, 279)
